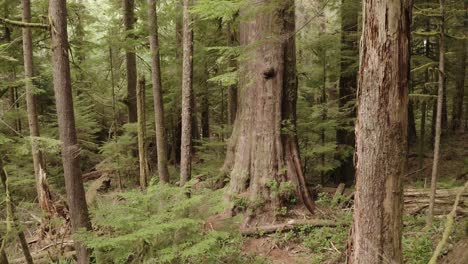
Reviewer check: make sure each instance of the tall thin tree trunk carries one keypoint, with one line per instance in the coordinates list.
(348, 84)
(142, 132)
(263, 149)
(232, 90)
(205, 107)
(157, 92)
(66, 124)
(381, 131)
(438, 127)
(457, 110)
(129, 21)
(187, 97)
(412, 134)
(42, 188)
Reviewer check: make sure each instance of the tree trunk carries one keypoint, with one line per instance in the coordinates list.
(438, 125)
(157, 92)
(263, 151)
(381, 131)
(412, 135)
(232, 90)
(42, 188)
(142, 133)
(129, 21)
(348, 84)
(457, 110)
(66, 124)
(205, 107)
(187, 97)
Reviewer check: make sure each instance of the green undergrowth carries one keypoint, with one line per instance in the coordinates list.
(162, 225)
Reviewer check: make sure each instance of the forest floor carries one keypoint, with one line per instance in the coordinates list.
(309, 244)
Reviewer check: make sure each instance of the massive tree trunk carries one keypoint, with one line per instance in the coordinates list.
(459, 96)
(263, 151)
(129, 21)
(438, 124)
(381, 131)
(348, 84)
(187, 97)
(42, 188)
(66, 123)
(157, 92)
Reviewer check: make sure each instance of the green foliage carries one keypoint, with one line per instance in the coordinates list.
(325, 239)
(118, 153)
(161, 226)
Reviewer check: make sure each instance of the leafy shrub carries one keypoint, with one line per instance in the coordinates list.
(162, 225)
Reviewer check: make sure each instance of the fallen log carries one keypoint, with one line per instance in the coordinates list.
(293, 224)
(448, 226)
(417, 200)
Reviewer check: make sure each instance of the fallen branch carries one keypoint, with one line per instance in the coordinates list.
(288, 226)
(448, 226)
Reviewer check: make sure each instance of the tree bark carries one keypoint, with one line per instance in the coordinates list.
(187, 96)
(66, 124)
(412, 134)
(129, 21)
(457, 110)
(263, 150)
(42, 188)
(438, 125)
(348, 84)
(157, 92)
(232, 90)
(142, 133)
(381, 131)
(205, 107)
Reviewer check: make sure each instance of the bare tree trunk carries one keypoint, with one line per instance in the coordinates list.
(142, 133)
(187, 95)
(42, 188)
(205, 107)
(438, 127)
(348, 84)
(263, 149)
(157, 92)
(66, 123)
(381, 131)
(457, 111)
(129, 21)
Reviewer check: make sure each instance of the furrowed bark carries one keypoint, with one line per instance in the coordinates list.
(66, 123)
(381, 131)
(157, 92)
(187, 97)
(263, 151)
(42, 188)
